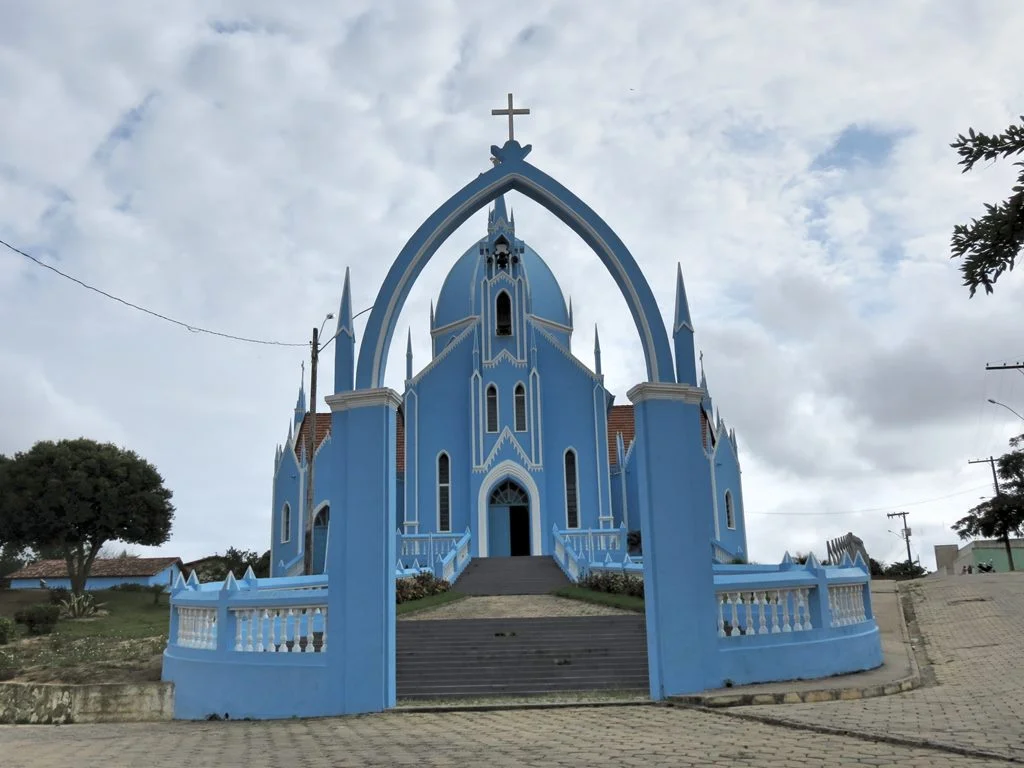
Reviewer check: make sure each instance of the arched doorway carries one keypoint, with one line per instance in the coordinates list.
(508, 520)
(321, 523)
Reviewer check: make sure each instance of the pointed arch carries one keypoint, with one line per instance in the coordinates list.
(572, 489)
(492, 408)
(444, 493)
(512, 173)
(286, 523)
(508, 469)
(730, 512)
(503, 314)
(519, 407)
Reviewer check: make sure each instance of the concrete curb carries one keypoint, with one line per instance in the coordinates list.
(57, 703)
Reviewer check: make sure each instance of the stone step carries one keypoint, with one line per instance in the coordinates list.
(482, 657)
(511, 576)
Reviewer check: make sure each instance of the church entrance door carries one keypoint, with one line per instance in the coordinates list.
(508, 521)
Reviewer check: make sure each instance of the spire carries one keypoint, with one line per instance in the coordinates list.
(498, 219)
(682, 335)
(431, 314)
(408, 357)
(597, 352)
(300, 401)
(345, 343)
(682, 316)
(570, 312)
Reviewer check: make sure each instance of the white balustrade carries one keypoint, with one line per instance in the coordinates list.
(763, 612)
(847, 604)
(197, 627)
(291, 629)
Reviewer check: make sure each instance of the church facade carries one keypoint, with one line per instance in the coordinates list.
(505, 432)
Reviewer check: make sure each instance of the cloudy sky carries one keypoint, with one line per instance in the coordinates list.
(225, 166)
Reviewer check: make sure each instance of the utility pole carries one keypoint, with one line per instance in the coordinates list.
(906, 533)
(991, 460)
(307, 552)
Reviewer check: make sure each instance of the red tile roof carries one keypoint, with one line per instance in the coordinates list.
(118, 566)
(323, 429)
(620, 419)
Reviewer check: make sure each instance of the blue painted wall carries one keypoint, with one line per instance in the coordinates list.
(727, 480)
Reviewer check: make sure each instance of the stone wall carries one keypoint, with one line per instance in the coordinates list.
(104, 703)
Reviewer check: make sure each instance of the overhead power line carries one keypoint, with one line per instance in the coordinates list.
(871, 509)
(187, 326)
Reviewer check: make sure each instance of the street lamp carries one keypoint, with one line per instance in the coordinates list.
(1004, 405)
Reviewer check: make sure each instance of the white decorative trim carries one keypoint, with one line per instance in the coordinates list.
(436, 360)
(538, 320)
(508, 468)
(650, 390)
(412, 460)
(286, 523)
(506, 436)
(364, 398)
(488, 193)
(504, 357)
(568, 354)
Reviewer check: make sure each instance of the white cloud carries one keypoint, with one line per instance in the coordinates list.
(226, 167)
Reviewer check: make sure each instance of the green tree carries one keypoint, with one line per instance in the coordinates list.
(1002, 516)
(990, 245)
(73, 496)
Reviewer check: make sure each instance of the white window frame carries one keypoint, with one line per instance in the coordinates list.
(437, 490)
(565, 486)
(286, 523)
(520, 387)
(730, 511)
(487, 409)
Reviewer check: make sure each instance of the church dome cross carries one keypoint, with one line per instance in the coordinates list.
(511, 112)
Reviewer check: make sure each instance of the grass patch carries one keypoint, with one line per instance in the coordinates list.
(122, 645)
(425, 603)
(625, 602)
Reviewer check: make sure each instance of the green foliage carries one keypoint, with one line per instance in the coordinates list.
(236, 561)
(990, 245)
(58, 595)
(76, 495)
(613, 583)
(8, 665)
(426, 603)
(419, 586)
(12, 558)
(904, 570)
(634, 543)
(1002, 516)
(38, 619)
(625, 602)
(79, 606)
(6, 630)
(877, 567)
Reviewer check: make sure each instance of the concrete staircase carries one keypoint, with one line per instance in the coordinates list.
(516, 657)
(511, 576)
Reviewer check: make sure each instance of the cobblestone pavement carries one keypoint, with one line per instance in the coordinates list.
(973, 716)
(623, 736)
(514, 607)
(973, 628)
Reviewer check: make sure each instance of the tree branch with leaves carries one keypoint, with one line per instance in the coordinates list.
(989, 246)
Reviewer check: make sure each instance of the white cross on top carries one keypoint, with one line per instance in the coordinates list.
(510, 111)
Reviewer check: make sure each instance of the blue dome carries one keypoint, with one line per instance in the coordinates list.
(458, 299)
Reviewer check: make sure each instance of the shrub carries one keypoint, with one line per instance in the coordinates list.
(614, 583)
(39, 619)
(58, 595)
(6, 630)
(79, 606)
(8, 665)
(419, 586)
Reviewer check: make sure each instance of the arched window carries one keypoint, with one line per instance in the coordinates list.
(323, 518)
(730, 511)
(503, 314)
(444, 493)
(286, 524)
(520, 407)
(492, 408)
(572, 511)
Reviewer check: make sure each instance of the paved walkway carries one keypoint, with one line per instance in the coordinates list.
(973, 716)
(514, 607)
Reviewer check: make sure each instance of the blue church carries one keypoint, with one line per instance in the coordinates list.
(505, 432)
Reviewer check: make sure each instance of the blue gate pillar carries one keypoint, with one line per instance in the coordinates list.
(675, 506)
(361, 552)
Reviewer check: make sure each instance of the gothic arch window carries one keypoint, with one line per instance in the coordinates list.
(519, 398)
(509, 494)
(730, 512)
(492, 408)
(444, 493)
(572, 499)
(323, 517)
(286, 523)
(503, 314)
